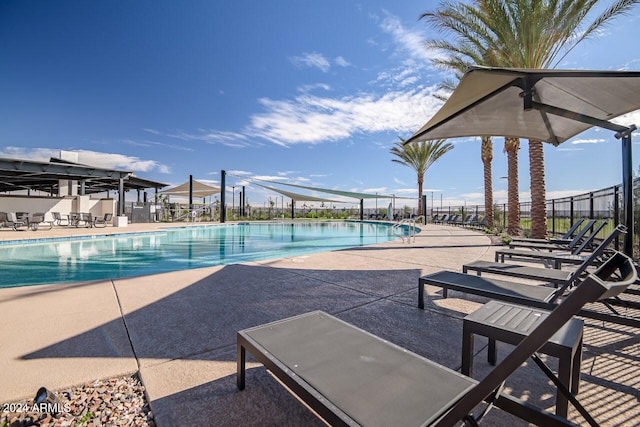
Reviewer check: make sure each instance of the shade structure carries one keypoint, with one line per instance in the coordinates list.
(545, 105)
(199, 190)
(298, 197)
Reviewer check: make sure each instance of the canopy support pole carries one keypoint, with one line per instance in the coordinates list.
(293, 207)
(223, 190)
(190, 193)
(627, 191)
(361, 209)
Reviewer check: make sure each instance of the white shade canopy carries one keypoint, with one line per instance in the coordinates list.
(199, 190)
(562, 104)
(543, 105)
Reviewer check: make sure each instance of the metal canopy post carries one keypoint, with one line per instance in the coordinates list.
(223, 209)
(120, 196)
(293, 207)
(190, 193)
(627, 191)
(361, 209)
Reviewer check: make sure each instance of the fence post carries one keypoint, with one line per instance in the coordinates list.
(553, 216)
(591, 205)
(504, 215)
(571, 212)
(616, 213)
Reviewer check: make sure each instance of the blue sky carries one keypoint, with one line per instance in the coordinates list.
(306, 92)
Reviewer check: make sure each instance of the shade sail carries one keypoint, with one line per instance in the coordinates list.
(199, 190)
(352, 194)
(491, 102)
(544, 105)
(298, 197)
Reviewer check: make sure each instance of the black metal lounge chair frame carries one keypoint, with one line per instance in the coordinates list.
(561, 278)
(303, 360)
(575, 242)
(538, 296)
(564, 239)
(556, 259)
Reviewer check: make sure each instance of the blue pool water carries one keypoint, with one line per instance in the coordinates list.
(115, 256)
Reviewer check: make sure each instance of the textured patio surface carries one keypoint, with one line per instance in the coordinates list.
(179, 331)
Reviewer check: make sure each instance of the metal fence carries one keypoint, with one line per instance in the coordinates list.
(562, 212)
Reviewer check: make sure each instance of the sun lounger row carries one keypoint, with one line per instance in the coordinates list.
(470, 220)
(350, 377)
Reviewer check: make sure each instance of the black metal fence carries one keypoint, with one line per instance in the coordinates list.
(562, 212)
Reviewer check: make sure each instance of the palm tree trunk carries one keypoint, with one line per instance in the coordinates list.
(487, 157)
(511, 147)
(538, 192)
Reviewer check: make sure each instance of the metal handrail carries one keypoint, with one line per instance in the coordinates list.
(411, 230)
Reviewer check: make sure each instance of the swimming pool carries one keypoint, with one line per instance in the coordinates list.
(171, 249)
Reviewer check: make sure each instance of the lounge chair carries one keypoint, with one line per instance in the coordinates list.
(102, 222)
(351, 377)
(575, 242)
(556, 259)
(442, 219)
(562, 278)
(539, 296)
(59, 220)
(15, 223)
(565, 238)
(3, 219)
(37, 220)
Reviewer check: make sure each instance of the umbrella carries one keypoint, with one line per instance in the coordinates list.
(545, 105)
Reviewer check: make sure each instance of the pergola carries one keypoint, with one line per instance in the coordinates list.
(20, 175)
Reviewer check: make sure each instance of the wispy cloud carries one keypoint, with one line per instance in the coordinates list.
(588, 141)
(147, 143)
(310, 60)
(208, 136)
(312, 119)
(87, 157)
(341, 62)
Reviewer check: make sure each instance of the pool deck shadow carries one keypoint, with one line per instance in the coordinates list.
(179, 329)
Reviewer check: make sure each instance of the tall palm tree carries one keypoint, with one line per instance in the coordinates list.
(511, 147)
(486, 154)
(419, 156)
(520, 34)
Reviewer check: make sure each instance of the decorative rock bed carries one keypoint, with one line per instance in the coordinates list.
(111, 402)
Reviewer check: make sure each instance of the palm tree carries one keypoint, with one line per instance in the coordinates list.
(511, 147)
(420, 156)
(520, 34)
(486, 154)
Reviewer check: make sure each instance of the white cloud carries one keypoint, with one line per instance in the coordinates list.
(408, 40)
(310, 60)
(588, 141)
(380, 190)
(569, 149)
(340, 61)
(312, 119)
(309, 88)
(87, 157)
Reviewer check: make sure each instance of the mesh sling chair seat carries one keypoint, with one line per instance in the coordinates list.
(557, 259)
(564, 239)
(562, 278)
(575, 242)
(351, 377)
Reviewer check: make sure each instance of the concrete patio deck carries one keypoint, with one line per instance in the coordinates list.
(179, 331)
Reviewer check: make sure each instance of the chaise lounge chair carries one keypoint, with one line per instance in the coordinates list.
(15, 223)
(350, 377)
(37, 220)
(539, 296)
(102, 222)
(58, 220)
(575, 242)
(557, 259)
(562, 278)
(564, 239)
